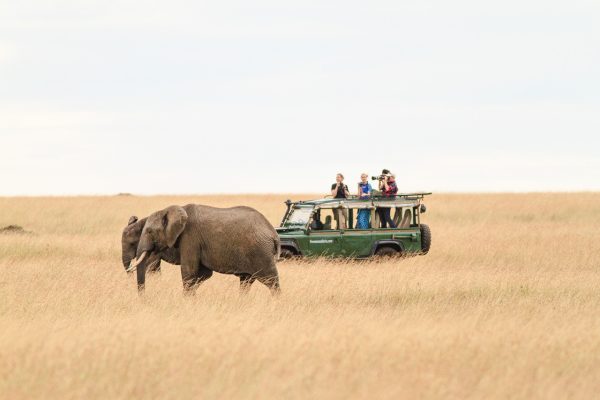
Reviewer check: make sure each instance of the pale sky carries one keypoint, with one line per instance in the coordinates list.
(101, 97)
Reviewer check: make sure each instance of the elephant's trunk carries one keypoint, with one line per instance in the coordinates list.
(136, 261)
(139, 264)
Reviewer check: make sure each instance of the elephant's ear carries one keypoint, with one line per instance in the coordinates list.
(132, 220)
(175, 220)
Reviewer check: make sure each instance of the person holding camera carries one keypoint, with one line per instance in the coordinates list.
(388, 188)
(340, 191)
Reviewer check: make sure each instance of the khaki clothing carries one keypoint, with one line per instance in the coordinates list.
(341, 217)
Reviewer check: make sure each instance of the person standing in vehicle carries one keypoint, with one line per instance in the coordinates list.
(364, 192)
(388, 187)
(340, 191)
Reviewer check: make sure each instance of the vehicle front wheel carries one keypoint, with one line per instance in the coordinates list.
(387, 251)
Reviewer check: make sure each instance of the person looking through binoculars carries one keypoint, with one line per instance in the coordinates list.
(340, 191)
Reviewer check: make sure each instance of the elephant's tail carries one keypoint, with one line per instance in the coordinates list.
(276, 247)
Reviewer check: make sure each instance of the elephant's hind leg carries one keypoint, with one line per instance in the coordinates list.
(246, 280)
(269, 278)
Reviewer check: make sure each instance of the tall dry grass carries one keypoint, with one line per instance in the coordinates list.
(506, 305)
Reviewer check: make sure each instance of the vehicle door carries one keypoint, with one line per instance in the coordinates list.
(357, 242)
(325, 242)
(404, 235)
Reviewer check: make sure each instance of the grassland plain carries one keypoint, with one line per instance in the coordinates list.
(506, 305)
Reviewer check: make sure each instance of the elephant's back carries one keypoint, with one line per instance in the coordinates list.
(241, 215)
(233, 240)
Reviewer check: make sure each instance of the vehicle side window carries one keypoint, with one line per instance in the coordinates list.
(323, 220)
(383, 217)
(403, 217)
(400, 217)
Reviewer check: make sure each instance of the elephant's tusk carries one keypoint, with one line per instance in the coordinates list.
(133, 265)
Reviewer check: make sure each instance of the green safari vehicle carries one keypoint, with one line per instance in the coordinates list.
(308, 228)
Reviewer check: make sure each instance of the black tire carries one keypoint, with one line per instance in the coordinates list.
(425, 239)
(387, 251)
(286, 254)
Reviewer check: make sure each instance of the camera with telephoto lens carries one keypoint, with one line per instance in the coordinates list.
(380, 177)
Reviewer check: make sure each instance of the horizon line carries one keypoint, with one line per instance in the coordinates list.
(225, 194)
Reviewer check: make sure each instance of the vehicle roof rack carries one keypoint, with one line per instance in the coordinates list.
(403, 199)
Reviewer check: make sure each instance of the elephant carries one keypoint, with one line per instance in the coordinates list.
(129, 243)
(238, 241)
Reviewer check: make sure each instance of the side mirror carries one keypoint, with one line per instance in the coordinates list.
(423, 208)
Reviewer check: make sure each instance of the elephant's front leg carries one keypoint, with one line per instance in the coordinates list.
(203, 274)
(154, 267)
(193, 273)
(189, 277)
(141, 278)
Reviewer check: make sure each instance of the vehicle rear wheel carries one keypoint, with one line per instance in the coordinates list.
(286, 254)
(387, 251)
(425, 239)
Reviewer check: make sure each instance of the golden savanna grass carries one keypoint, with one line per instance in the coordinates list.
(506, 305)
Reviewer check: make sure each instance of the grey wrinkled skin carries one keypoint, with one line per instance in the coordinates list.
(237, 240)
(130, 240)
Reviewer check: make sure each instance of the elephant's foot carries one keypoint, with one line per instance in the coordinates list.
(189, 288)
(272, 282)
(275, 290)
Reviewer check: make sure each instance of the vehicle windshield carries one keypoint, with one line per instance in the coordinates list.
(299, 216)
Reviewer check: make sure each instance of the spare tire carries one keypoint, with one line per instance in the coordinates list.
(425, 239)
